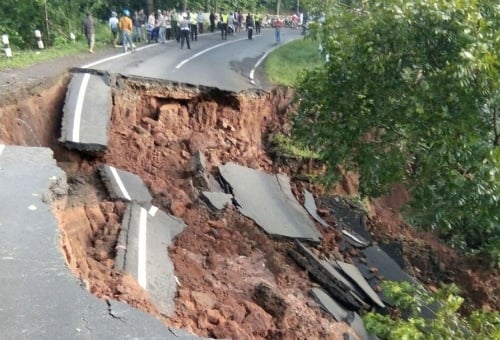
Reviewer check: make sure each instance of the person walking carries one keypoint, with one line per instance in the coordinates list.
(126, 29)
(184, 25)
(113, 26)
(89, 31)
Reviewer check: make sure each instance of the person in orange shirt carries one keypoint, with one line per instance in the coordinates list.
(126, 29)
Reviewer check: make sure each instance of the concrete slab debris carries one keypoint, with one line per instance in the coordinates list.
(269, 201)
(310, 206)
(124, 185)
(217, 200)
(87, 113)
(142, 252)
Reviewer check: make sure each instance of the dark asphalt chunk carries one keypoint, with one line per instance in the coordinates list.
(386, 266)
(142, 251)
(87, 113)
(268, 200)
(349, 216)
(124, 185)
(327, 278)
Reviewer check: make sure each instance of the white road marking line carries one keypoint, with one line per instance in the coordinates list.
(116, 56)
(205, 51)
(141, 258)
(79, 107)
(119, 182)
(2, 147)
(152, 211)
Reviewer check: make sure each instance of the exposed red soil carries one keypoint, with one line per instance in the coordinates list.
(234, 280)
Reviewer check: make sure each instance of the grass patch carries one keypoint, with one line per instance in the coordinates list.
(24, 58)
(283, 65)
(62, 47)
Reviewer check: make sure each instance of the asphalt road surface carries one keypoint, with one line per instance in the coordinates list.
(211, 61)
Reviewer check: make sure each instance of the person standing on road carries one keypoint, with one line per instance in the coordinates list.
(230, 24)
(162, 28)
(113, 26)
(199, 19)
(126, 29)
(136, 35)
(258, 20)
(212, 21)
(184, 25)
(168, 25)
(142, 23)
(223, 26)
(193, 26)
(277, 29)
(89, 31)
(250, 25)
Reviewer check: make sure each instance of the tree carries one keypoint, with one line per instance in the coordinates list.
(447, 323)
(410, 93)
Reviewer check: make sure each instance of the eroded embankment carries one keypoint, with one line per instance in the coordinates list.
(234, 281)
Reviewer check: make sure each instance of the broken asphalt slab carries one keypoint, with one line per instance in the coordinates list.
(142, 251)
(339, 313)
(356, 276)
(216, 200)
(269, 201)
(87, 113)
(124, 185)
(311, 208)
(41, 298)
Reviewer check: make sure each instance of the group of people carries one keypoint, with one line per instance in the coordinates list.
(181, 26)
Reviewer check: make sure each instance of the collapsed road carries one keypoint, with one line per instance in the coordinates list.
(125, 205)
(170, 169)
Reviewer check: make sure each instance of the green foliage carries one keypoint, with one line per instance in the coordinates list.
(411, 94)
(284, 146)
(447, 323)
